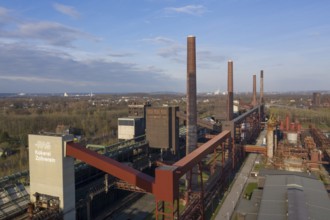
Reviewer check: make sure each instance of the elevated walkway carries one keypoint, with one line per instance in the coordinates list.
(228, 206)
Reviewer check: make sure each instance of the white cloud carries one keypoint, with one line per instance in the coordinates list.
(172, 51)
(169, 48)
(51, 32)
(5, 17)
(159, 40)
(120, 54)
(35, 70)
(188, 9)
(67, 10)
(208, 56)
(3, 12)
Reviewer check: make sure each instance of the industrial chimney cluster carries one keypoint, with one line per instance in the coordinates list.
(191, 108)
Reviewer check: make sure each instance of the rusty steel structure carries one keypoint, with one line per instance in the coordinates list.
(230, 90)
(255, 149)
(219, 157)
(165, 184)
(247, 123)
(321, 141)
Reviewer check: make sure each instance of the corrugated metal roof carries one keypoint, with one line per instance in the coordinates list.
(297, 208)
(293, 197)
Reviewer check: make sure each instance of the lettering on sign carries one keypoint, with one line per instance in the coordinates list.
(43, 152)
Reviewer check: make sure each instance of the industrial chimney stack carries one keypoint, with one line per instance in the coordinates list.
(230, 97)
(191, 136)
(254, 98)
(191, 95)
(261, 87)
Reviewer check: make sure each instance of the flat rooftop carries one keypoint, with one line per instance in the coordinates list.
(288, 196)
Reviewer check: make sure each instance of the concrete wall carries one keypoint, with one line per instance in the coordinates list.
(129, 128)
(126, 132)
(51, 173)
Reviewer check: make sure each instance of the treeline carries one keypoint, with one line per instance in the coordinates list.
(17, 161)
(95, 123)
(320, 118)
(98, 122)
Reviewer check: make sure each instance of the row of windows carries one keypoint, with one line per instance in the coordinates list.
(126, 122)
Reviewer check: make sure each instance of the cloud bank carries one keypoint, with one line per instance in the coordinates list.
(66, 10)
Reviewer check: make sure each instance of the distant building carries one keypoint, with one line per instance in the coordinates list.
(316, 101)
(236, 106)
(137, 110)
(131, 127)
(67, 129)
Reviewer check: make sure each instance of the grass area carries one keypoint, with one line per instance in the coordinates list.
(323, 178)
(249, 189)
(257, 167)
(205, 176)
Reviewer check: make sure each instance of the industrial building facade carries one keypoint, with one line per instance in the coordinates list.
(129, 128)
(162, 127)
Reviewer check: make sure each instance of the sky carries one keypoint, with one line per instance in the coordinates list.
(124, 46)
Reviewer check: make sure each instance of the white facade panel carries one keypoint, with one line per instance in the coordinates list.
(51, 173)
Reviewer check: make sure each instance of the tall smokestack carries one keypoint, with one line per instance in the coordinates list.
(230, 98)
(191, 95)
(261, 87)
(191, 137)
(254, 98)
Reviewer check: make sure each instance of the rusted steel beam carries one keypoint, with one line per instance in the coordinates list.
(166, 187)
(246, 114)
(255, 149)
(110, 166)
(192, 159)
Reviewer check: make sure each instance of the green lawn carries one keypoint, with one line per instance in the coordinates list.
(249, 189)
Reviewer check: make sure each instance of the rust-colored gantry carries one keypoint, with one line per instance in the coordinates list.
(165, 184)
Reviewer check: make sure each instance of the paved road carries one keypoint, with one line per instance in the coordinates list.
(139, 210)
(233, 196)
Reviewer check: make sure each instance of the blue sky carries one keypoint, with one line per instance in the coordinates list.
(140, 45)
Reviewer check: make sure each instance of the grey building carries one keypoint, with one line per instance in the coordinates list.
(288, 196)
